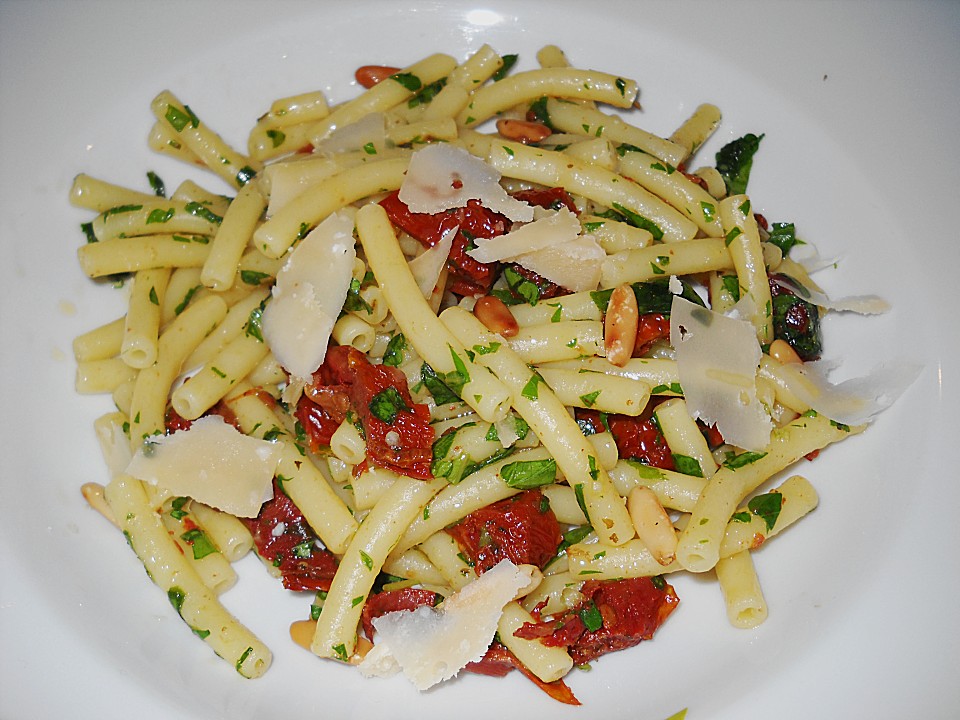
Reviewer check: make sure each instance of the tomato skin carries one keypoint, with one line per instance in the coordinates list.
(637, 438)
(650, 328)
(283, 536)
(551, 198)
(348, 381)
(631, 610)
(392, 600)
(467, 276)
(521, 528)
(318, 424)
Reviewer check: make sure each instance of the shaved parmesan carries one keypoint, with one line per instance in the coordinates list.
(549, 228)
(862, 304)
(430, 645)
(854, 401)
(717, 361)
(427, 266)
(309, 294)
(213, 463)
(442, 177)
(574, 265)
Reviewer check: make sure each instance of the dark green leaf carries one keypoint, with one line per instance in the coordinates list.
(387, 404)
(743, 459)
(410, 81)
(508, 62)
(735, 160)
(767, 508)
(394, 354)
(529, 474)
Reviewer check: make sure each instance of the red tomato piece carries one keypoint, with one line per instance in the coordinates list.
(550, 198)
(521, 528)
(392, 600)
(498, 661)
(629, 611)
(283, 537)
(467, 276)
(404, 444)
(650, 328)
(637, 438)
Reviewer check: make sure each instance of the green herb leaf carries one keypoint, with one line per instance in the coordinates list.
(387, 404)
(639, 221)
(735, 160)
(410, 81)
(253, 277)
(784, 236)
(767, 507)
(530, 390)
(156, 184)
(529, 474)
(590, 398)
(508, 62)
(394, 354)
(742, 460)
(591, 617)
(687, 465)
(199, 543)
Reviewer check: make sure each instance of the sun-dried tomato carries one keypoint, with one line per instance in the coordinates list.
(629, 611)
(283, 537)
(521, 528)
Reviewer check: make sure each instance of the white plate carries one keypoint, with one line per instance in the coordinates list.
(858, 103)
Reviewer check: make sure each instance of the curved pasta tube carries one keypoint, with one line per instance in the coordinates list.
(558, 432)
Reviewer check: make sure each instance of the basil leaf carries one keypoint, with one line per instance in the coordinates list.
(735, 160)
(393, 355)
(410, 81)
(592, 619)
(767, 508)
(743, 459)
(784, 236)
(508, 62)
(529, 474)
(387, 404)
(687, 465)
(442, 395)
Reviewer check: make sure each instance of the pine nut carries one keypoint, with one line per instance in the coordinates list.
(781, 351)
(496, 316)
(652, 524)
(302, 632)
(620, 325)
(370, 75)
(93, 494)
(523, 130)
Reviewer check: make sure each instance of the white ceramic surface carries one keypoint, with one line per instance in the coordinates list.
(858, 102)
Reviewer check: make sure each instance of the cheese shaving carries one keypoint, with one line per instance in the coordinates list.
(717, 360)
(854, 401)
(309, 294)
(548, 228)
(443, 177)
(427, 266)
(430, 645)
(213, 463)
(575, 265)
